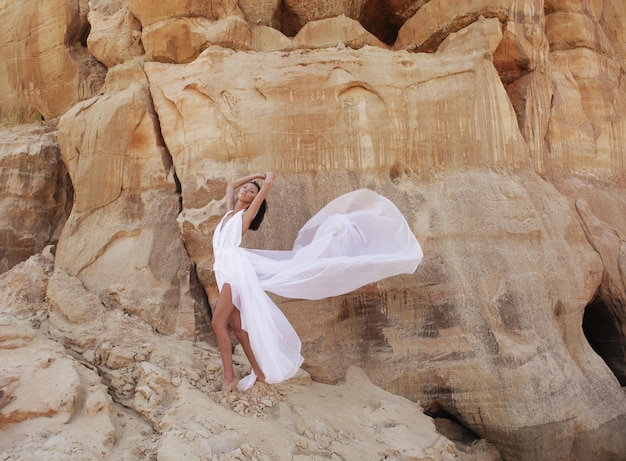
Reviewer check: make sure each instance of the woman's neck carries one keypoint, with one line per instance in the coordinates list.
(240, 206)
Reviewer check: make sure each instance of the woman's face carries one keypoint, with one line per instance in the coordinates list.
(247, 192)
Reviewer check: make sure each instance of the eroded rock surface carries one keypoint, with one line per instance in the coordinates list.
(121, 238)
(497, 129)
(172, 384)
(35, 192)
(47, 67)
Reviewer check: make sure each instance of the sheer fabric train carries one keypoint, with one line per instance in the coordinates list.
(358, 238)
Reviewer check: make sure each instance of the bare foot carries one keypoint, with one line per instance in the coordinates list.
(260, 377)
(229, 384)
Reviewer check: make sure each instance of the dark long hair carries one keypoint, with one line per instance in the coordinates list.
(258, 219)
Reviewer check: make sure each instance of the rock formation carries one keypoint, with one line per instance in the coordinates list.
(35, 192)
(47, 66)
(496, 128)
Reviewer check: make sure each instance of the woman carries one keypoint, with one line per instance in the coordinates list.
(358, 238)
(247, 209)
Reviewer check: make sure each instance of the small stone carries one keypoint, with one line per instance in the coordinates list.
(89, 356)
(247, 451)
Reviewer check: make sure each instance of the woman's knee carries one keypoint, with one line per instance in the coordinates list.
(223, 310)
(219, 324)
(239, 332)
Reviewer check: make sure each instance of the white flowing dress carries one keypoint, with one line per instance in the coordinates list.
(358, 238)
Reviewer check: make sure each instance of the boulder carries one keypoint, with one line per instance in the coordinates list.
(331, 32)
(147, 14)
(121, 239)
(436, 19)
(35, 192)
(181, 40)
(261, 12)
(115, 34)
(265, 38)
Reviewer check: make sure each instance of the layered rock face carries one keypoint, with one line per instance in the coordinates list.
(47, 66)
(35, 192)
(495, 127)
(121, 238)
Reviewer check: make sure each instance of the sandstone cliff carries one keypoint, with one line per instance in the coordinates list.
(497, 128)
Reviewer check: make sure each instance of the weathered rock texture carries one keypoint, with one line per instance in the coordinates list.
(121, 238)
(497, 127)
(115, 34)
(46, 67)
(171, 384)
(35, 192)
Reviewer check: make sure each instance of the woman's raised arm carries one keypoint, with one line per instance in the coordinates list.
(253, 208)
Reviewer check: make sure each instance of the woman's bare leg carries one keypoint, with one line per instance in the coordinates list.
(223, 310)
(244, 340)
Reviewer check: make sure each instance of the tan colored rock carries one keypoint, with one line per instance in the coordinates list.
(487, 337)
(47, 67)
(371, 421)
(75, 304)
(35, 192)
(210, 122)
(588, 107)
(522, 60)
(354, 92)
(266, 38)
(119, 77)
(261, 12)
(121, 239)
(44, 391)
(601, 207)
(168, 380)
(578, 82)
(608, 334)
(575, 30)
(67, 299)
(182, 40)
(432, 23)
(331, 32)
(23, 288)
(487, 312)
(612, 19)
(115, 34)
(484, 35)
(145, 10)
(587, 114)
(313, 10)
(380, 18)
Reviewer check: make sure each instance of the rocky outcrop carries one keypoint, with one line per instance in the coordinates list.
(47, 67)
(587, 115)
(32, 363)
(165, 380)
(496, 127)
(601, 209)
(115, 34)
(121, 238)
(35, 192)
